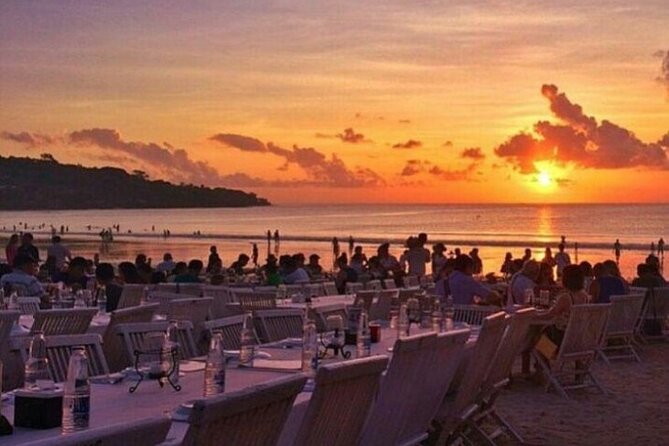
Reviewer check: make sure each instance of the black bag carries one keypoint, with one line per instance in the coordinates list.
(652, 326)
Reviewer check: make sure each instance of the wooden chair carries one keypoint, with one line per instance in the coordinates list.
(295, 288)
(382, 304)
(625, 313)
(473, 314)
(190, 289)
(275, 325)
(147, 432)
(62, 322)
(133, 336)
(254, 416)
(320, 315)
(582, 339)
(657, 309)
(513, 343)
(231, 329)
(112, 345)
(28, 305)
(433, 386)
(7, 321)
(456, 409)
(131, 296)
(364, 298)
(257, 301)
(398, 390)
(330, 289)
(354, 287)
(195, 310)
(373, 285)
(336, 413)
(238, 292)
(389, 284)
(410, 282)
(266, 289)
(222, 298)
(59, 349)
(313, 289)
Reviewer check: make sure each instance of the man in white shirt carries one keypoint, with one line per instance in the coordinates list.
(167, 265)
(523, 280)
(59, 252)
(562, 259)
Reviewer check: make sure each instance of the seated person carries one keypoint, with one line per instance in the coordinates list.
(238, 265)
(607, 283)
(525, 279)
(167, 265)
(75, 274)
(465, 289)
(293, 273)
(345, 275)
(192, 275)
(104, 275)
(127, 273)
(179, 269)
(441, 280)
(573, 294)
(22, 278)
(271, 271)
(314, 269)
(648, 277)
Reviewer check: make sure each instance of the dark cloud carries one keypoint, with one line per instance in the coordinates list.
(323, 135)
(412, 167)
(663, 78)
(415, 167)
(404, 121)
(410, 144)
(321, 170)
(349, 135)
(240, 142)
(29, 140)
(474, 153)
(447, 144)
(579, 140)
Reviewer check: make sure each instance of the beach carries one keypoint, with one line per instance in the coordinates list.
(633, 413)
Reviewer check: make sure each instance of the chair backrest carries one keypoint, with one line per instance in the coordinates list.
(400, 390)
(320, 315)
(658, 304)
(407, 293)
(293, 288)
(257, 301)
(625, 313)
(354, 287)
(410, 281)
(513, 342)
(340, 404)
(147, 432)
(112, 344)
(194, 309)
(585, 331)
(190, 289)
(473, 314)
(489, 339)
(389, 284)
(131, 295)
(249, 417)
(266, 289)
(59, 350)
(65, 321)
(364, 298)
(7, 321)
(313, 289)
(382, 303)
(237, 292)
(275, 325)
(373, 285)
(133, 336)
(28, 305)
(433, 385)
(231, 329)
(330, 289)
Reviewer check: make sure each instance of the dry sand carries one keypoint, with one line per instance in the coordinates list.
(635, 412)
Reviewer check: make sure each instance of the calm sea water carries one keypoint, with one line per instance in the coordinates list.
(495, 229)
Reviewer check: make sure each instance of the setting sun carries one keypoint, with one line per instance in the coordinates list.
(544, 179)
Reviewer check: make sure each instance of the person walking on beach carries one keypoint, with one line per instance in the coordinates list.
(277, 241)
(652, 248)
(335, 247)
(351, 244)
(617, 247)
(660, 247)
(254, 254)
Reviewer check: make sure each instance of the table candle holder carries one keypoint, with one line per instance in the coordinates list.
(161, 374)
(336, 344)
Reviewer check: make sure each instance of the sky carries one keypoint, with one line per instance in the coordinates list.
(335, 102)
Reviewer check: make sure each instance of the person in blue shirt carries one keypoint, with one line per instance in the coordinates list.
(465, 290)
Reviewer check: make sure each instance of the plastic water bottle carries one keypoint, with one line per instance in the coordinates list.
(529, 296)
(449, 314)
(214, 371)
(77, 393)
(102, 299)
(403, 322)
(246, 351)
(171, 345)
(13, 301)
(79, 300)
(37, 365)
(309, 348)
(436, 317)
(364, 339)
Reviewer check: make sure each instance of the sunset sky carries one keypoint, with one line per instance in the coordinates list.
(374, 101)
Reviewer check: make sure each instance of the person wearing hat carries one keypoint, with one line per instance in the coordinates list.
(23, 277)
(314, 269)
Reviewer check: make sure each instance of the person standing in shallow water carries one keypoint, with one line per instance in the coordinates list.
(617, 247)
(277, 241)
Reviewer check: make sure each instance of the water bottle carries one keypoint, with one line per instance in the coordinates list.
(145, 296)
(309, 348)
(363, 340)
(76, 393)
(214, 371)
(403, 323)
(102, 299)
(436, 317)
(170, 350)
(246, 351)
(13, 301)
(37, 365)
(529, 297)
(3, 305)
(79, 300)
(449, 314)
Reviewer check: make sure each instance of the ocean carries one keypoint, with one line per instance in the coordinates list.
(494, 228)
